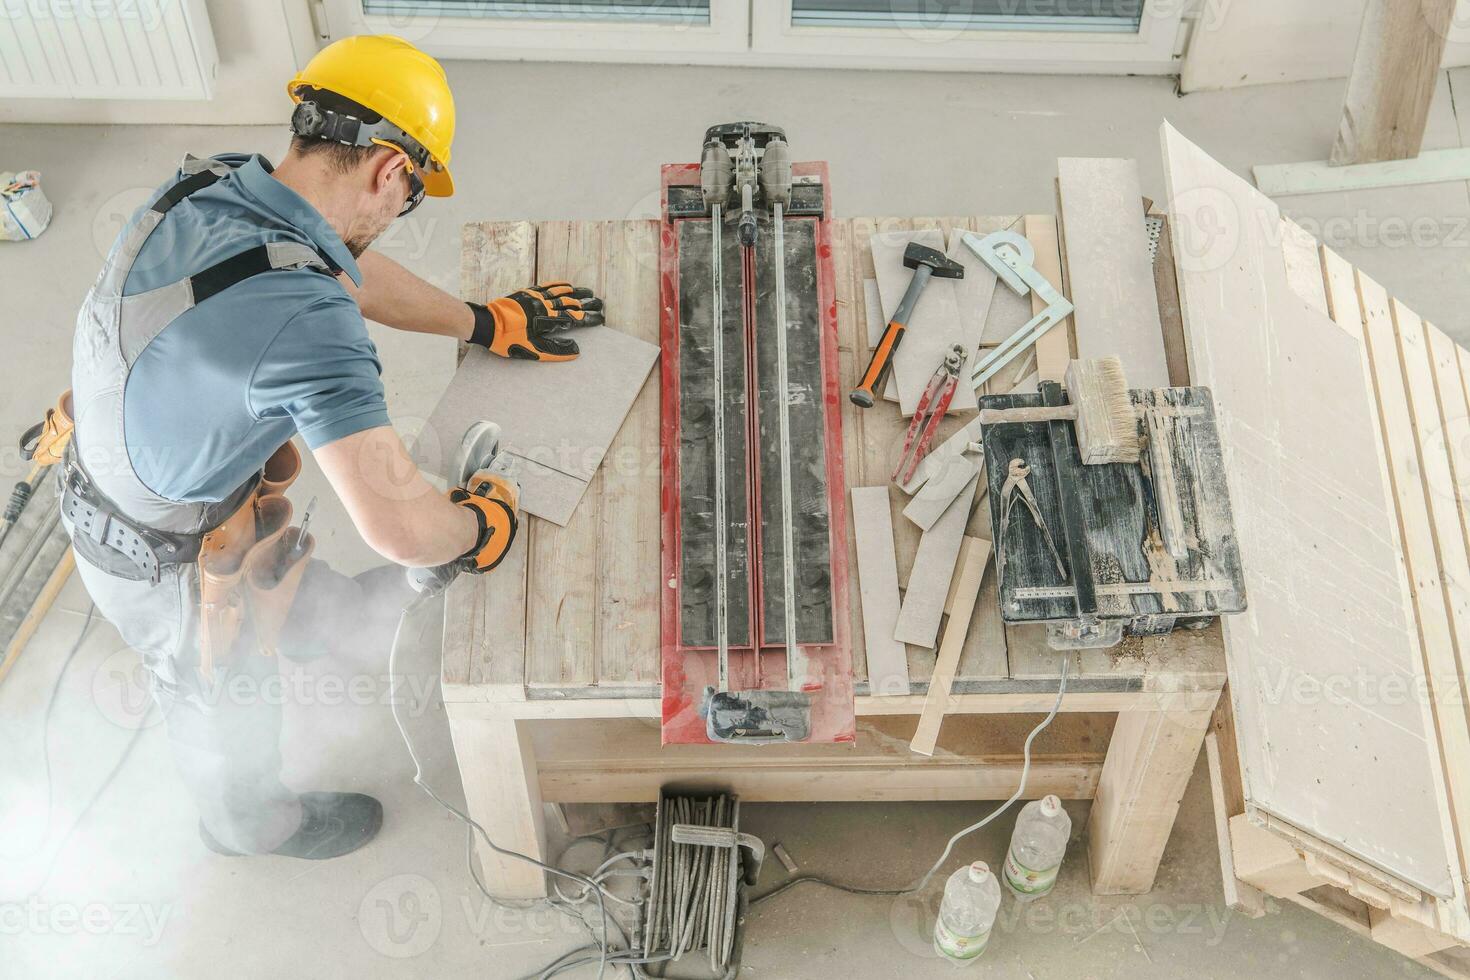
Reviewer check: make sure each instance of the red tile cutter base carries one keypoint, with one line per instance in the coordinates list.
(819, 694)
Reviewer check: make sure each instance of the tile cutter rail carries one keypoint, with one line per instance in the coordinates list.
(755, 646)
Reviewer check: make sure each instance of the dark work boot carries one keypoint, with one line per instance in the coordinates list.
(332, 824)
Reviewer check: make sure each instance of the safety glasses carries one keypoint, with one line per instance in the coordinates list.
(415, 189)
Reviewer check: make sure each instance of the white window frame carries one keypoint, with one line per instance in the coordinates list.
(724, 40)
(1151, 51)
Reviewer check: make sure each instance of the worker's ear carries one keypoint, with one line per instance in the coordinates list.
(387, 171)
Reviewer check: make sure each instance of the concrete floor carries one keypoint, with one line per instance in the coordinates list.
(129, 892)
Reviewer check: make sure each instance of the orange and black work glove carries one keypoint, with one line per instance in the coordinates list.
(493, 499)
(529, 324)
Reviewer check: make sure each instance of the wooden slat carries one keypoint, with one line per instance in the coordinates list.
(852, 349)
(627, 570)
(1054, 348)
(1171, 318)
(1228, 798)
(1400, 47)
(485, 616)
(562, 619)
(1437, 634)
(974, 556)
(1303, 261)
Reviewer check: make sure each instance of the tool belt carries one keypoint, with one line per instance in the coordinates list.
(250, 564)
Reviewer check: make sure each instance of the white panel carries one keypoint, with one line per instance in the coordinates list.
(1318, 541)
(108, 49)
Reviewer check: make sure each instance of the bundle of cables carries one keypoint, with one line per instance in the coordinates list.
(686, 897)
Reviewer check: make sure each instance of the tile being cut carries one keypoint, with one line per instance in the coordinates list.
(556, 418)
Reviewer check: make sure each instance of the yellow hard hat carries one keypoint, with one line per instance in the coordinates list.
(400, 83)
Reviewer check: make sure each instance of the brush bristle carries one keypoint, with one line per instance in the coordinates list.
(1107, 428)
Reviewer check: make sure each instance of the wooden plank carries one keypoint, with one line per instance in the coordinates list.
(1166, 288)
(1400, 47)
(627, 569)
(851, 346)
(1149, 763)
(620, 759)
(1321, 177)
(1267, 862)
(1299, 250)
(562, 620)
(1108, 267)
(1437, 633)
(1404, 936)
(974, 556)
(1055, 348)
(934, 568)
(485, 615)
(1317, 538)
(1229, 801)
(877, 568)
(933, 327)
(502, 790)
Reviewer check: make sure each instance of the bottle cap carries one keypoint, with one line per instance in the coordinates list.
(979, 871)
(1050, 806)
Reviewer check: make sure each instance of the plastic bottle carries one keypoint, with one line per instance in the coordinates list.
(967, 914)
(1038, 845)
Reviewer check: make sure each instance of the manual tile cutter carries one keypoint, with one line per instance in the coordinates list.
(755, 647)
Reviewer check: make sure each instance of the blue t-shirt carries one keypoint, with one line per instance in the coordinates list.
(226, 383)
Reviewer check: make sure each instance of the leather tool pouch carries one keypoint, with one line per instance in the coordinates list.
(221, 596)
(45, 442)
(281, 470)
(224, 557)
(273, 571)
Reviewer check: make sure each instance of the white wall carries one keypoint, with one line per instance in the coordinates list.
(259, 42)
(1256, 42)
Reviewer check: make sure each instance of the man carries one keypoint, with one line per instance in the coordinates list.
(228, 318)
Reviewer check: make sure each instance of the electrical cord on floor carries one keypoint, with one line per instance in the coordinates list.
(606, 955)
(949, 848)
(46, 753)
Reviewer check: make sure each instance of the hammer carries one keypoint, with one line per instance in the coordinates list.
(926, 263)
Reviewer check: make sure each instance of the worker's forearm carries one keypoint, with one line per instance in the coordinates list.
(395, 297)
(397, 512)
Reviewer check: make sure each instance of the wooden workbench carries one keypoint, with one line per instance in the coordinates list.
(551, 663)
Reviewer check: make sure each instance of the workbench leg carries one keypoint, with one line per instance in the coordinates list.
(502, 792)
(1149, 762)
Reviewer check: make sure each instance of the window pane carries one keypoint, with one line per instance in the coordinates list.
(662, 11)
(953, 15)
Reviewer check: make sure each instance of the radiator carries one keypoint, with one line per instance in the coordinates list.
(106, 49)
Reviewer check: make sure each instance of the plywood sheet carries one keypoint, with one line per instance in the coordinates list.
(1109, 272)
(557, 417)
(1317, 540)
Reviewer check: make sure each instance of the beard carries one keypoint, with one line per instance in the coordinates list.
(363, 233)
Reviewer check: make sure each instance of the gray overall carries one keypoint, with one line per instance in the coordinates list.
(226, 745)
